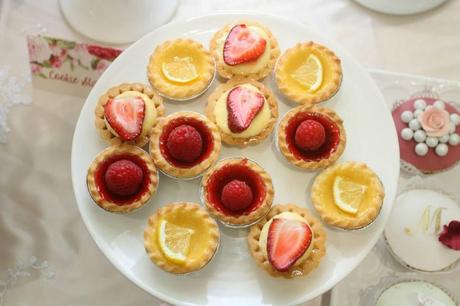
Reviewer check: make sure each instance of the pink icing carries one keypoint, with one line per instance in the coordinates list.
(435, 121)
(431, 162)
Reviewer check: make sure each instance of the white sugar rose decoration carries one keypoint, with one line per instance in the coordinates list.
(435, 121)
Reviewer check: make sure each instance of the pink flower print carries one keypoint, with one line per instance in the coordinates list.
(55, 61)
(36, 69)
(38, 49)
(102, 65)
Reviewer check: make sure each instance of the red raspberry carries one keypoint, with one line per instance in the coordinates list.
(124, 177)
(185, 143)
(236, 195)
(310, 135)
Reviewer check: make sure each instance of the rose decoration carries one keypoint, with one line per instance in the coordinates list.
(450, 235)
(435, 121)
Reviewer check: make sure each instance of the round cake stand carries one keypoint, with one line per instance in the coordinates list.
(116, 21)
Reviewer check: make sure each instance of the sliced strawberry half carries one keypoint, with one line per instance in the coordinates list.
(125, 116)
(287, 241)
(243, 45)
(243, 104)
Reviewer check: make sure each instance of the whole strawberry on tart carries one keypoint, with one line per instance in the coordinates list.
(244, 110)
(127, 113)
(244, 48)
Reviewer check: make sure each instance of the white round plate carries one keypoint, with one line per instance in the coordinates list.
(401, 7)
(233, 278)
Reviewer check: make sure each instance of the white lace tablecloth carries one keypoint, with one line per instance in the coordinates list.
(46, 254)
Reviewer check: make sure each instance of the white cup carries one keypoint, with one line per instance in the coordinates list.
(400, 7)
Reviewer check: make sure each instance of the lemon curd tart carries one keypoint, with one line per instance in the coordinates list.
(181, 237)
(127, 113)
(181, 69)
(245, 48)
(308, 73)
(348, 195)
(244, 110)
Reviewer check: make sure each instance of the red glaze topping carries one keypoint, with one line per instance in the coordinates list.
(331, 130)
(228, 173)
(206, 146)
(243, 104)
(123, 178)
(310, 135)
(103, 186)
(185, 143)
(243, 45)
(236, 195)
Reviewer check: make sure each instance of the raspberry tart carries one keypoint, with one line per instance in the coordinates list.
(127, 113)
(185, 144)
(311, 137)
(288, 242)
(181, 237)
(308, 73)
(245, 111)
(244, 48)
(428, 132)
(122, 178)
(181, 69)
(348, 195)
(237, 191)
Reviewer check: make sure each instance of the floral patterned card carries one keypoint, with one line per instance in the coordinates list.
(66, 66)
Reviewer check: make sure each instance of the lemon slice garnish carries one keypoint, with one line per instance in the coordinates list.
(174, 241)
(180, 70)
(348, 195)
(310, 73)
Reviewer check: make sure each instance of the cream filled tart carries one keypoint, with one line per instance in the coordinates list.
(245, 48)
(244, 110)
(127, 113)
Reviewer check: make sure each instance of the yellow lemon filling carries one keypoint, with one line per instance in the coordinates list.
(307, 71)
(284, 215)
(258, 124)
(249, 67)
(182, 65)
(185, 240)
(150, 112)
(348, 195)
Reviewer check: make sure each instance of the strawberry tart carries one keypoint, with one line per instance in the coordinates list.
(244, 49)
(245, 111)
(126, 114)
(428, 131)
(288, 242)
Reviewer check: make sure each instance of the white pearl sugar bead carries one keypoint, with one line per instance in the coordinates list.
(455, 118)
(439, 104)
(454, 139)
(421, 149)
(407, 134)
(419, 136)
(442, 149)
(406, 116)
(444, 138)
(431, 142)
(414, 124)
(417, 113)
(420, 104)
(451, 128)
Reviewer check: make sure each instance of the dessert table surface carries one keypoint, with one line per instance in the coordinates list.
(46, 253)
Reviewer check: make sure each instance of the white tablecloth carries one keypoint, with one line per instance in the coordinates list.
(46, 254)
